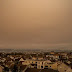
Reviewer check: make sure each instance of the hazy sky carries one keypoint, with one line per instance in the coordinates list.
(35, 23)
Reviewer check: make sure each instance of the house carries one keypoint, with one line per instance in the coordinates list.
(11, 57)
(21, 60)
(34, 58)
(52, 53)
(2, 59)
(40, 64)
(50, 65)
(56, 56)
(40, 58)
(64, 55)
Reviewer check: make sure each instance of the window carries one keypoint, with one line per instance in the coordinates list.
(41, 66)
(36, 62)
(42, 63)
(46, 66)
(50, 66)
(65, 70)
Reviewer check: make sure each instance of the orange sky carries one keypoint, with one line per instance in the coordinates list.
(35, 23)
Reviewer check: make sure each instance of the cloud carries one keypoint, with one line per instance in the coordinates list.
(35, 23)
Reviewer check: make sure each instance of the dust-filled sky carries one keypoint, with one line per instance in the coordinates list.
(35, 23)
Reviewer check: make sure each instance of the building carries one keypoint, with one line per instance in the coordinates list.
(40, 64)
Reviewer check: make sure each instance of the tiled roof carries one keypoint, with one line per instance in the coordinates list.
(39, 70)
(32, 70)
(48, 70)
(23, 67)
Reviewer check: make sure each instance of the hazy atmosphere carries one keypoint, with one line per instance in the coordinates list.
(36, 24)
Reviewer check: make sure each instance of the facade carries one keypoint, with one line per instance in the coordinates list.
(40, 64)
(51, 65)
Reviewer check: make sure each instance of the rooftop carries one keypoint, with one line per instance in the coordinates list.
(39, 70)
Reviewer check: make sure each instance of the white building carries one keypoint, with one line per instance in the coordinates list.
(40, 64)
